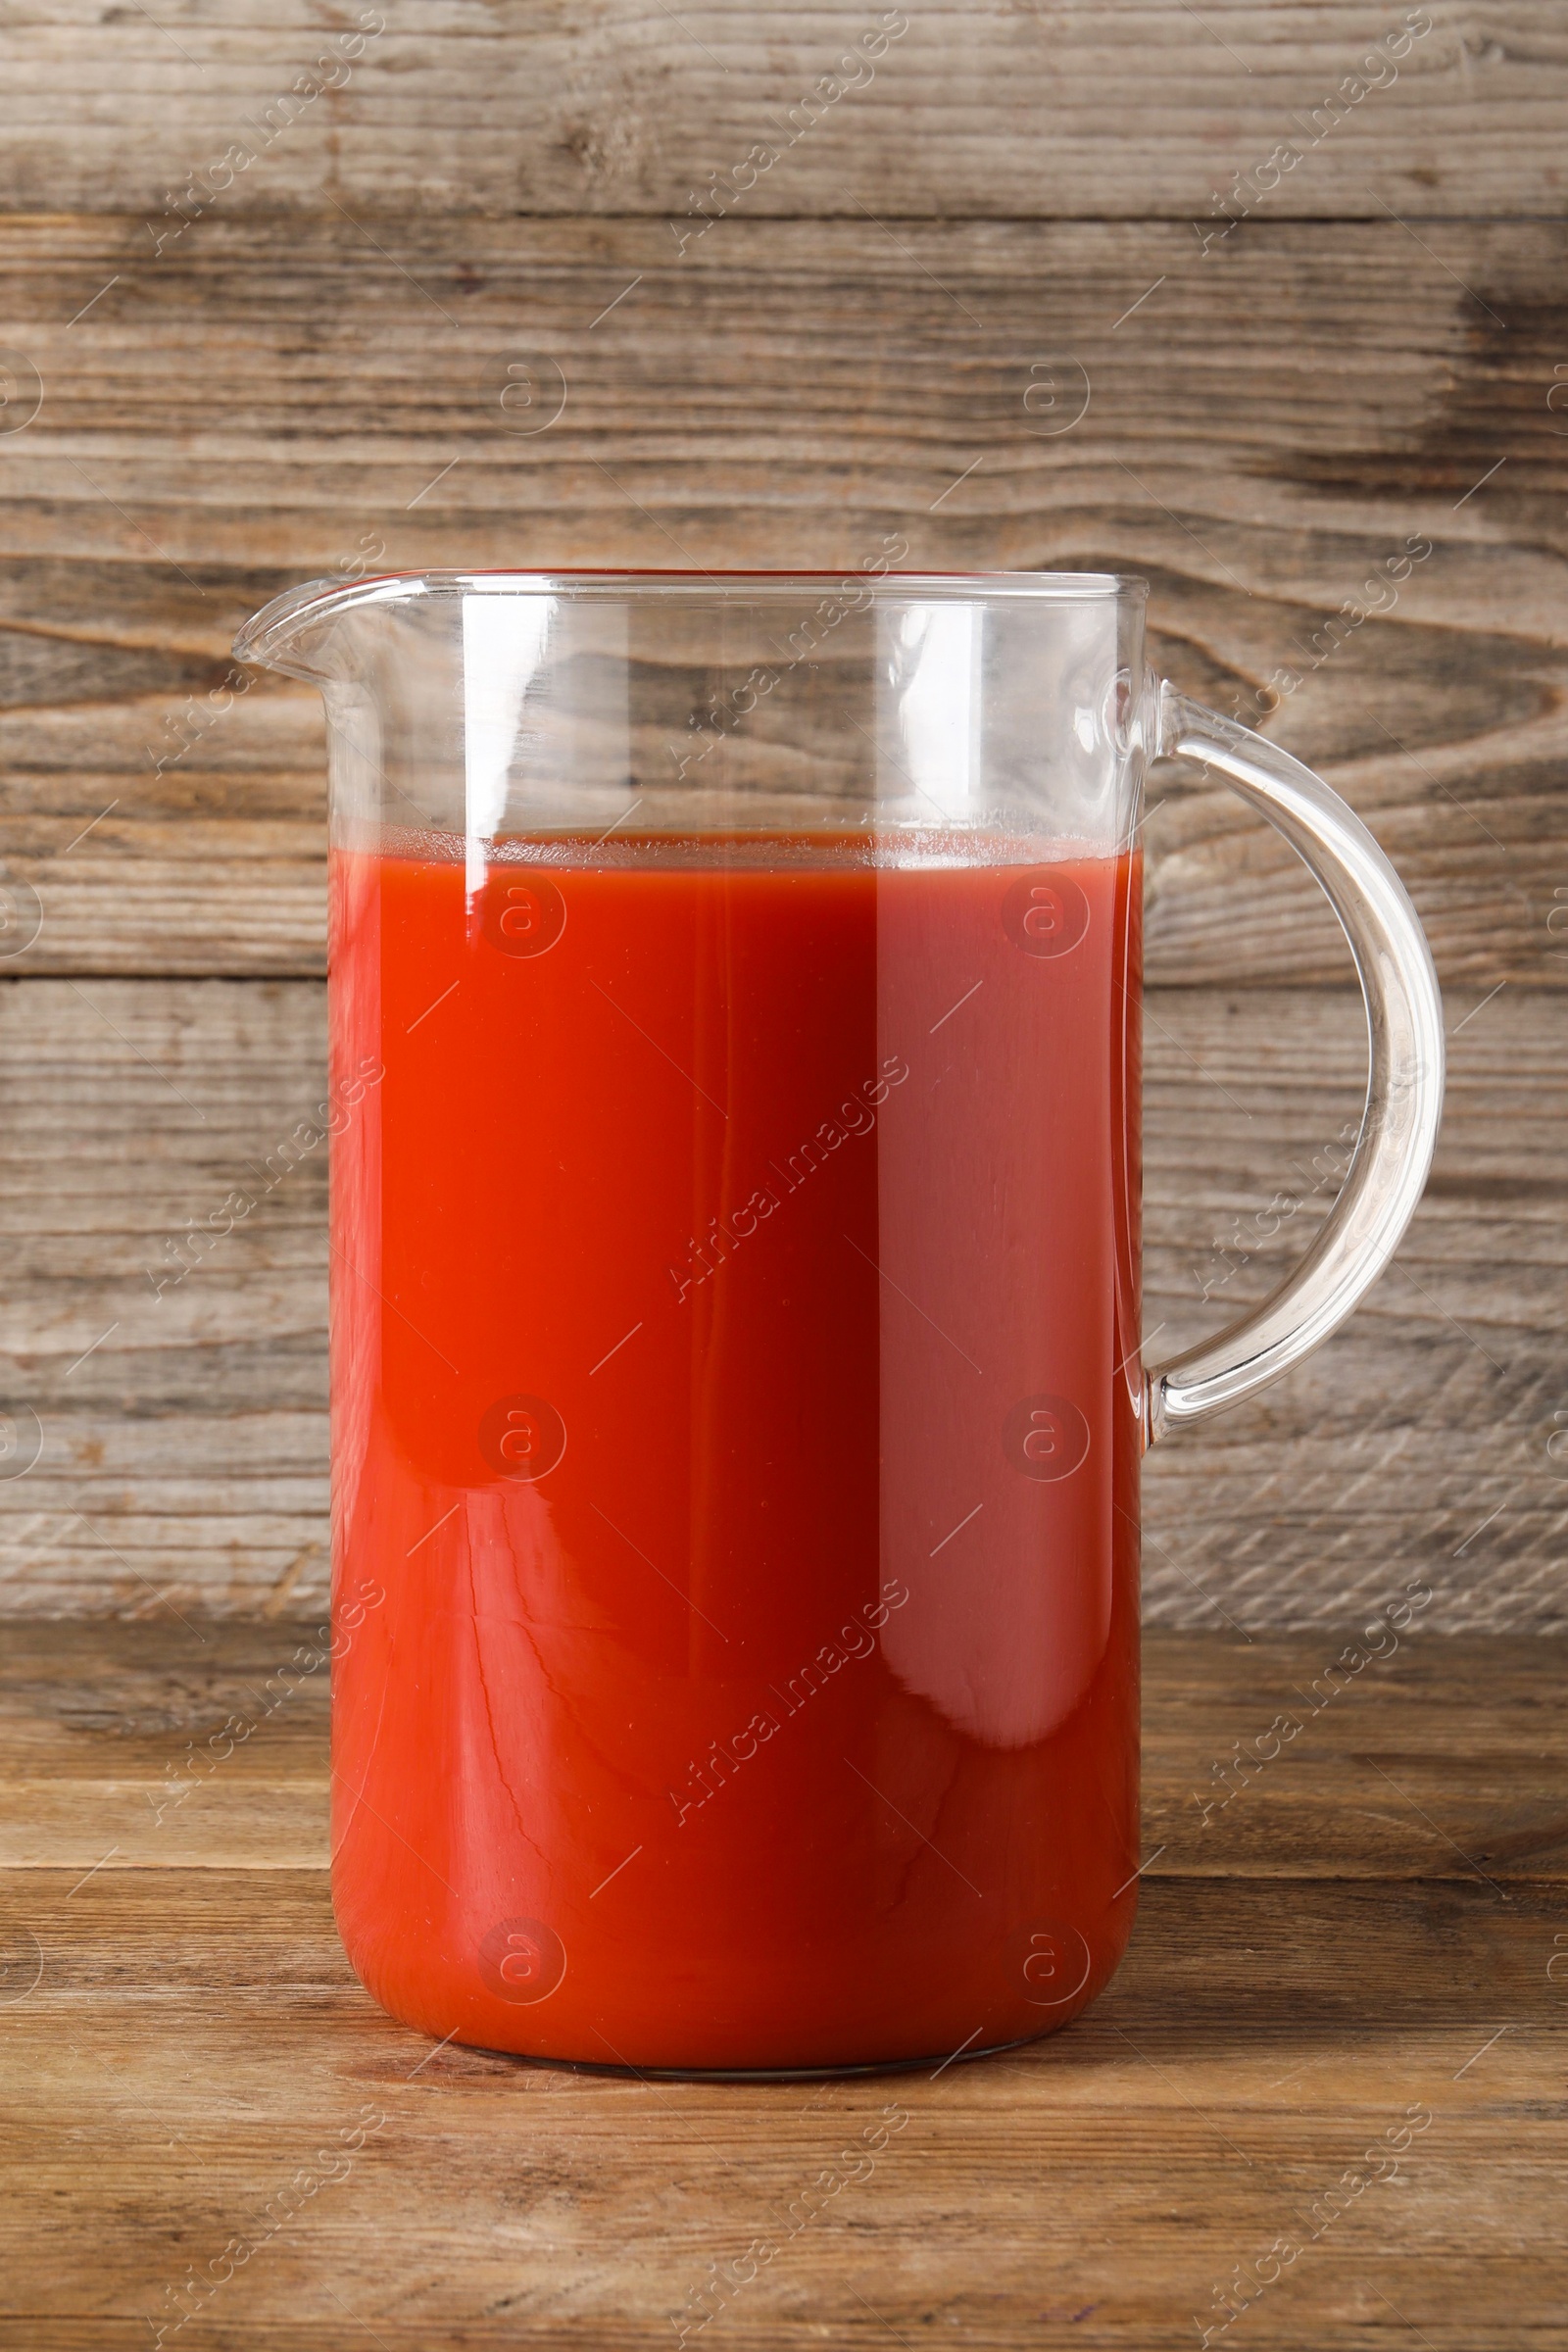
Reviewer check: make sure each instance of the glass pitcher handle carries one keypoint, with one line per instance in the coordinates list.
(1405, 1077)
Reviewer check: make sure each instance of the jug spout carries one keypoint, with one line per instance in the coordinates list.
(310, 632)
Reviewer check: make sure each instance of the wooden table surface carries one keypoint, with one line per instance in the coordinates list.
(1328, 2076)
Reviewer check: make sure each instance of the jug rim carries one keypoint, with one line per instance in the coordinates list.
(270, 631)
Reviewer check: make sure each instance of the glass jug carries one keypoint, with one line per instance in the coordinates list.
(737, 1398)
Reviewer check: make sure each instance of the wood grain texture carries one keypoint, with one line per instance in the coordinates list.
(185, 2043)
(1011, 107)
(200, 1746)
(184, 1438)
(1265, 434)
(134, 1108)
(1423, 1439)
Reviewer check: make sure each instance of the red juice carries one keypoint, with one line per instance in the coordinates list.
(735, 1391)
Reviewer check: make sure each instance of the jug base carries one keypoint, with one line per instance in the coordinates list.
(831, 2072)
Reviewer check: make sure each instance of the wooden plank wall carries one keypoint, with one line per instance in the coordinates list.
(226, 374)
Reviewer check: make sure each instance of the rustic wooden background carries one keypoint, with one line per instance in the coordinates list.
(210, 391)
